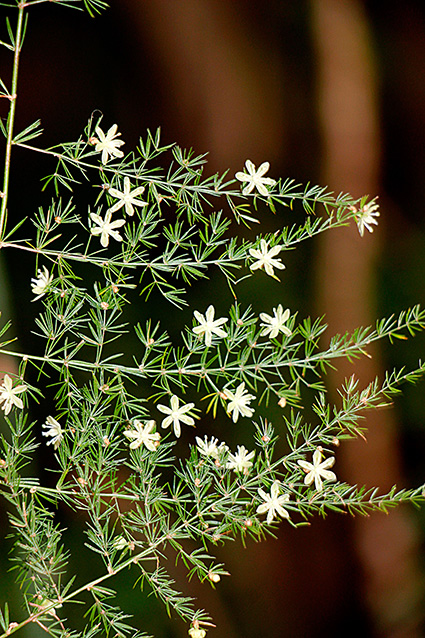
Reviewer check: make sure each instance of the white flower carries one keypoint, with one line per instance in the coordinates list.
(209, 325)
(365, 216)
(197, 632)
(176, 414)
(143, 434)
(46, 602)
(53, 429)
(210, 448)
(318, 469)
(40, 283)
(273, 503)
(255, 178)
(238, 402)
(108, 144)
(120, 543)
(127, 198)
(8, 394)
(265, 258)
(241, 461)
(274, 325)
(105, 228)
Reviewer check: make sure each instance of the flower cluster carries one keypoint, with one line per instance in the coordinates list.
(119, 411)
(241, 461)
(316, 471)
(106, 228)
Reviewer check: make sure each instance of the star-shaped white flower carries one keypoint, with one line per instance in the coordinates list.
(54, 430)
(176, 414)
(211, 447)
(108, 143)
(274, 325)
(241, 461)
(365, 216)
(127, 198)
(273, 503)
(255, 178)
(318, 470)
(8, 394)
(105, 227)
(208, 325)
(40, 283)
(143, 434)
(238, 402)
(266, 258)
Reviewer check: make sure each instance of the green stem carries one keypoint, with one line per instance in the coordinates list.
(11, 120)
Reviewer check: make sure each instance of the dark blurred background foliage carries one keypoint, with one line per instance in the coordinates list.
(328, 91)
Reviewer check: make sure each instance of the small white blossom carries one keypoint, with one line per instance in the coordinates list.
(266, 258)
(238, 402)
(46, 602)
(209, 325)
(241, 461)
(176, 414)
(211, 447)
(197, 632)
(54, 430)
(282, 402)
(143, 434)
(255, 178)
(40, 283)
(8, 394)
(127, 198)
(273, 503)
(105, 228)
(365, 216)
(318, 470)
(120, 543)
(108, 144)
(273, 325)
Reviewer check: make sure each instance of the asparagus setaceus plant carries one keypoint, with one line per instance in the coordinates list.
(114, 419)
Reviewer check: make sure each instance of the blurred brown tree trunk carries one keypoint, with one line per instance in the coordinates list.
(223, 93)
(348, 103)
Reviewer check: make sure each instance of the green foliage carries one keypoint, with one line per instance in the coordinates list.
(155, 232)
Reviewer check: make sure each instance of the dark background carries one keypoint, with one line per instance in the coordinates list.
(327, 91)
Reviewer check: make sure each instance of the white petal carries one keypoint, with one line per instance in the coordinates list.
(263, 168)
